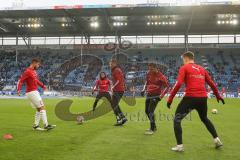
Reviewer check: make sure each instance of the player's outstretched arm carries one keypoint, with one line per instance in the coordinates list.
(117, 76)
(39, 83)
(95, 87)
(110, 84)
(213, 87)
(21, 80)
(166, 85)
(144, 89)
(178, 84)
(114, 85)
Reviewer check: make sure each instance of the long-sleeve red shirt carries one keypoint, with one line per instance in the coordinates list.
(157, 83)
(102, 85)
(118, 80)
(29, 77)
(195, 77)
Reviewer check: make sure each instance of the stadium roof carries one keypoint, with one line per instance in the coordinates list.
(174, 20)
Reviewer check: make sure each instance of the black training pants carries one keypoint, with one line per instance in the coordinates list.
(150, 106)
(185, 106)
(101, 95)
(116, 97)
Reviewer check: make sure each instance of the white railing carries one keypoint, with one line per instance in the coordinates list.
(151, 39)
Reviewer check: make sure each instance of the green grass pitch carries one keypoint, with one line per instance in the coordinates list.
(98, 139)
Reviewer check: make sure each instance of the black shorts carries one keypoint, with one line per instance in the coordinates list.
(187, 104)
(103, 94)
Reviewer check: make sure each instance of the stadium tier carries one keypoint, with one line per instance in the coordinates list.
(68, 70)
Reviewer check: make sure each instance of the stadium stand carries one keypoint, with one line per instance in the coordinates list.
(68, 70)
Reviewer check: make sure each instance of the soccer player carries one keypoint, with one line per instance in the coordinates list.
(224, 92)
(30, 77)
(238, 92)
(209, 92)
(156, 87)
(102, 86)
(194, 76)
(118, 89)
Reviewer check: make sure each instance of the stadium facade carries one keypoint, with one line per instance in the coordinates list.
(137, 34)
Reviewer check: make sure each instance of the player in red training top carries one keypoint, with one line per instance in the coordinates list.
(194, 76)
(156, 87)
(118, 89)
(102, 85)
(238, 92)
(30, 77)
(224, 95)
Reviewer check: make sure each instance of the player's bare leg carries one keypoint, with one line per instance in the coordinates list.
(41, 114)
(37, 121)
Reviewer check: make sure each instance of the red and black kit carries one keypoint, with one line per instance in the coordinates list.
(156, 87)
(195, 78)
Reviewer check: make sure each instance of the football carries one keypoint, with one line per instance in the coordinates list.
(80, 119)
(214, 111)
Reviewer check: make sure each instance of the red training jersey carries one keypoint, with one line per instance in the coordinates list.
(223, 90)
(29, 77)
(118, 80)
(156, 83)
(194, 76)
(102, 85)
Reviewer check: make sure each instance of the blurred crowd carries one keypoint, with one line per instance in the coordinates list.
(65, 70)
